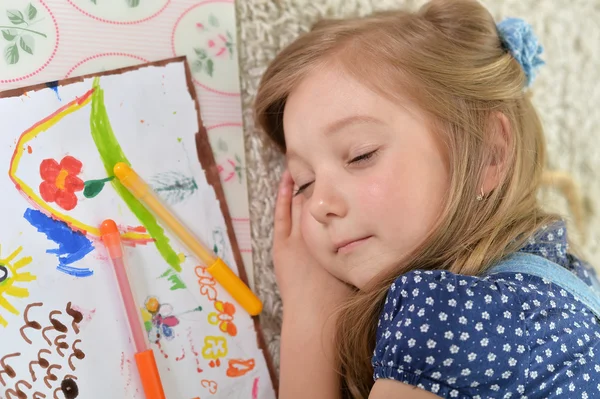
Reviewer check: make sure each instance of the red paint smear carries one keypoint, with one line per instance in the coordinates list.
(102, 257)
(77, 101)
(29, 150)
(133, 243)
(180, 358)
(139, 229)
(255, 389)
(161, 350)
(198, 369)
(123, 360)
(87, 315)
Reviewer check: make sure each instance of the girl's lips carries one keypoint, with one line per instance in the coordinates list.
(348, 245)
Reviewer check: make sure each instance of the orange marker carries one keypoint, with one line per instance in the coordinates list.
(144, 357)
(215, 265)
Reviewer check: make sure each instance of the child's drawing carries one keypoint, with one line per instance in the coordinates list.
(58, 185)
(221, 245)
(49, 368)
(239, 367)
(21, 33)
(93, 187)
(158, 319)
(72, 245)
(207, 283)
(173, 187)
(10, 276)
(174, 278)
(215, 348)
(223, 317)
(210, 385)
(60, 181)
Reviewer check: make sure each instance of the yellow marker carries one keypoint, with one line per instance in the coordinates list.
(215, 265)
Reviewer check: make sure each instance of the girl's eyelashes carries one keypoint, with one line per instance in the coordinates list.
(301, 189)
(363, 158)
(354, 161)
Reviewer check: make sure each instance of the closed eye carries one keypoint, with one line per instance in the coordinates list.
(301, 189)
(363, 158)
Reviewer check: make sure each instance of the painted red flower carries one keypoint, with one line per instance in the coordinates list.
(61, 181)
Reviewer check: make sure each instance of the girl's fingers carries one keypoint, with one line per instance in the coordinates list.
(297, 203)
(283, 206)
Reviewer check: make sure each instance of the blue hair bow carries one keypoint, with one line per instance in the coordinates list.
(518, 38)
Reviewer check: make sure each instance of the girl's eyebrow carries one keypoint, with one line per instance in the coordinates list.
(343, 123)
(337, 126)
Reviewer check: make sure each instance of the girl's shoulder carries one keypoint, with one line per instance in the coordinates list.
(419, 299)
(443, 331)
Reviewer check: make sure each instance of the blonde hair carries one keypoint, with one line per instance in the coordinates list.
(447, 58)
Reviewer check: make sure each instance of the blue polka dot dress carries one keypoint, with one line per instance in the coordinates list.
(507, 335)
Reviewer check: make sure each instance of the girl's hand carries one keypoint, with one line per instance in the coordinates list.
(299, 277)
(309, 294)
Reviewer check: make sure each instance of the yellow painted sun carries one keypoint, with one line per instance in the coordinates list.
(9, 275)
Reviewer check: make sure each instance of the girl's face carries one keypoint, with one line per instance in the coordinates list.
(373, 176)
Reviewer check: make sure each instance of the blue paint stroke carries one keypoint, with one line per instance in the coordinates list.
(72, 245)
(54, 87)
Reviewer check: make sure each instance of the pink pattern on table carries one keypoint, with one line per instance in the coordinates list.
(175, 52)
(225, 124)
(241, 227)
(104, 55)
(120, 22)
(51, 56)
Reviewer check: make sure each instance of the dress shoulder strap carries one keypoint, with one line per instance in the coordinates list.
(535, 265)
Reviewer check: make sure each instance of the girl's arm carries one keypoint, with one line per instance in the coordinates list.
(307, 368)
(392, 389)
(310, 295)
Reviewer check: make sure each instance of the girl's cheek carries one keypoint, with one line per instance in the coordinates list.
(375, 191)
(306, 225)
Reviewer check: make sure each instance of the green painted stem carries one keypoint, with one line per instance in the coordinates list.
(111, 153)
(25, 29)
(106, 179)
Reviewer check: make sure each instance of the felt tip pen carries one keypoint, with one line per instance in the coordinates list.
(215, 265)
(144, 356)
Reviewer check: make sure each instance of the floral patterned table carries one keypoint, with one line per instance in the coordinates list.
(48, 40)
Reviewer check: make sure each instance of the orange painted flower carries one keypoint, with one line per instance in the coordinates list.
(224, 317)
(61, 181)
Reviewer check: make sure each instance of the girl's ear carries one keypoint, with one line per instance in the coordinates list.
(498, 152)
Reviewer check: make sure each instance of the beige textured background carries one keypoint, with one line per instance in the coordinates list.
(566, 93)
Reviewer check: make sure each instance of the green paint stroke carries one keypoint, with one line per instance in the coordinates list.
(198, 309)
(174, 278)
(93, 187)
(112, 153)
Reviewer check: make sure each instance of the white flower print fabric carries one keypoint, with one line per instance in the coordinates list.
(509, 335)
